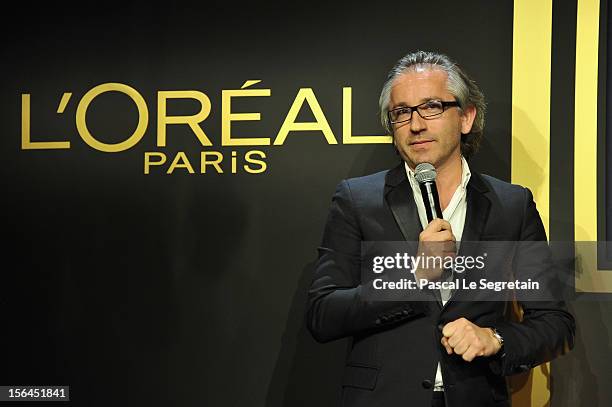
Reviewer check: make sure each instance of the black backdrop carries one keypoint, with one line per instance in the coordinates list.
(189, 289)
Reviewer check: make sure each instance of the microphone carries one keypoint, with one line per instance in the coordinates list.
(425, 174)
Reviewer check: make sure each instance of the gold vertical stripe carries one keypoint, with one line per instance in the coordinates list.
(588, 277)
(531, 99)
(585, 121)
(531, 67)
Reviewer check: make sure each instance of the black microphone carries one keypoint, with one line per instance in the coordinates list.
(425, 174)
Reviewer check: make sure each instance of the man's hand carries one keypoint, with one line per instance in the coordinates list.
(469, 340)
(436, 240)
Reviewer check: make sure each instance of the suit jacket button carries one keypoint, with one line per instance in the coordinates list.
(426, 384)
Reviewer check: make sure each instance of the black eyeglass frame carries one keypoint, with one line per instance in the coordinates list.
(445, 105)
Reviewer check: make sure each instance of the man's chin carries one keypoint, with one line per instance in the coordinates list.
(414, 161)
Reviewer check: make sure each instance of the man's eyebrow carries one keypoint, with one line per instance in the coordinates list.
(400, 104)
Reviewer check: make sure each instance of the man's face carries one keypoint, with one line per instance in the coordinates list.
(435, 140)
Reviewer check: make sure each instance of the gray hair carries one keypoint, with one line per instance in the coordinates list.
(464, 89)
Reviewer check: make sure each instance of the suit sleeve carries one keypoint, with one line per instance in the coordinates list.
(336, 304)
(547, 329)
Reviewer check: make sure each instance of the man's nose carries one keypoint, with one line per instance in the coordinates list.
(417, 124)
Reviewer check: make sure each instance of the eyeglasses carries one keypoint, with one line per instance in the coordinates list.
(427, 110)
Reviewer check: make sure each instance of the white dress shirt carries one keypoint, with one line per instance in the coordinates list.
(454, 213)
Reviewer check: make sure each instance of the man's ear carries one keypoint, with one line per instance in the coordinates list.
(467, 119)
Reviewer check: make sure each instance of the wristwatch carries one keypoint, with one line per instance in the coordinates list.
(498, 336)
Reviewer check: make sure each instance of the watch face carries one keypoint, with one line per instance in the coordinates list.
(498, 336)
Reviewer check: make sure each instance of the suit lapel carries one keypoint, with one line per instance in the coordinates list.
(400, 198)
(478, 206)
(477, 213)
(398, 194)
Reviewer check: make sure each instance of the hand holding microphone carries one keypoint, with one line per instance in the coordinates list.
(437, 239)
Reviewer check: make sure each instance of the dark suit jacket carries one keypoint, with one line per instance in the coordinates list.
(395, 345)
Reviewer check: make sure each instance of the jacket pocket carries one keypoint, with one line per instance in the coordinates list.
(360, 376)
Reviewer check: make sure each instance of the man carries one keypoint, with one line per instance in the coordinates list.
(447, 352)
